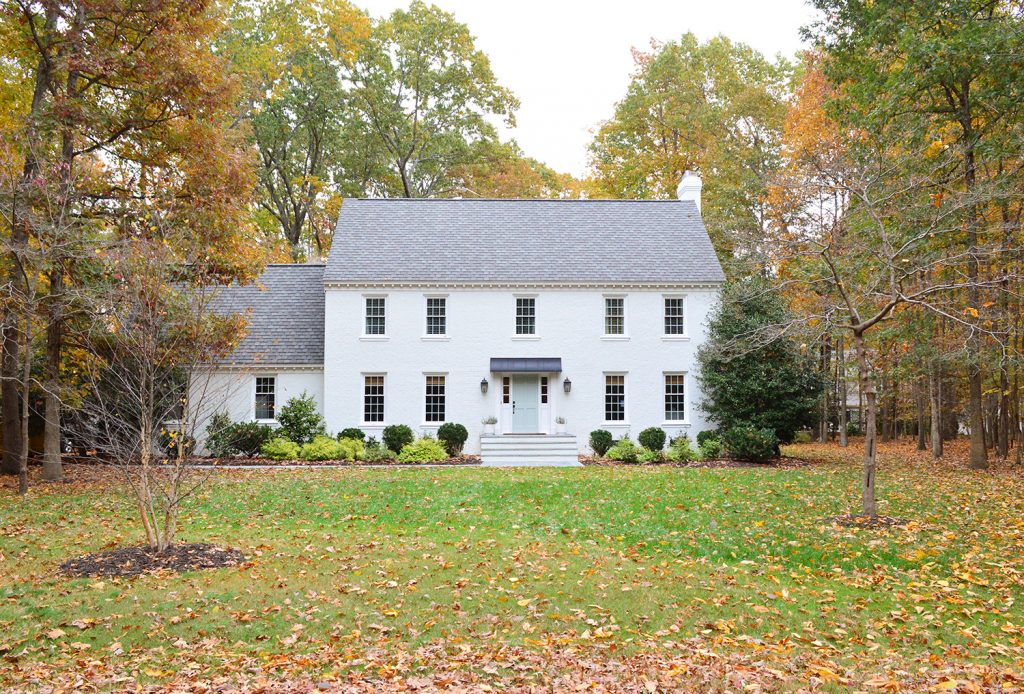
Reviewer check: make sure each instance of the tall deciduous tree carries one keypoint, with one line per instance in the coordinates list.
(426, 95)
(717, 107)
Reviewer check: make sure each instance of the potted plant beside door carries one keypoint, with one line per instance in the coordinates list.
(489, 423)
(559, 425)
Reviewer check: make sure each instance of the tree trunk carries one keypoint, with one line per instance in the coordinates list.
(53, 470)
(935, 396)
(843, 411)
(867, 379)
(922, 437)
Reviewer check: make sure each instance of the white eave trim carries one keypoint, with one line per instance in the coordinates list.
(260, 367)
(523, 285)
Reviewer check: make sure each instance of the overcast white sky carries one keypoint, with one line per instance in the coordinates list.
(569, 61)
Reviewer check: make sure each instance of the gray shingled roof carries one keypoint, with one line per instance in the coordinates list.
(522, 241)
(285, 310)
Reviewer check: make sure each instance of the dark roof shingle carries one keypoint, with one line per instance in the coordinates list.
(285, 311)
(523, 241)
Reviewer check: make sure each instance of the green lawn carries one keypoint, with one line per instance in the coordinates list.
(593, 562)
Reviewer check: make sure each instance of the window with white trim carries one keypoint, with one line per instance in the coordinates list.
(675, 320)
(265, 394)
(373, 399)
(675, 398)
(614, 398)
(506, 389)
(437, 315)
(375, 319)
(543, 390)
(434, 411)
(526, 315)
(614, 315)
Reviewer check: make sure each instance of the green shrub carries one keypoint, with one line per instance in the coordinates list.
(351, 449)
(323, 448)
(600, 442)
(352, 433)
(747, 442)
(424, 450)
(711, 449)
(648, 456)
(453, 436)
(624, 451)
(375, 452)
(280, 449)
(852, 429)
(218, 439)
(397, 436)
(300, 421)
(706, 434)
(248, 438)
(802, 437)
(170, 439)
(652, 438)
(680, 450)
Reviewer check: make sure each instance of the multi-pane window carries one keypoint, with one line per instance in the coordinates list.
(614, 315)
(373, 398)
(543, 390)
(675, 398)
(506, 390)
(614, 398)
(375, 324)
(435, 399)
(526, 316)
(674, 320)
(437, 315)
(265, 388)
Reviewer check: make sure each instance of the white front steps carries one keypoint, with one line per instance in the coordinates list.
(535, 450)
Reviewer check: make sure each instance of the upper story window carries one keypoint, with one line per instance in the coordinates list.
(375, 321)
(266, 387)
(437, 315)
(614, 315)
(373, 399)
(675, 398)
(526, 315)
(435, 402)
(675, 321)
(614, 398)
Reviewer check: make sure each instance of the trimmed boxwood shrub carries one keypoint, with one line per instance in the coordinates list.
(652, 438)
(680, 450)
(300, 421)
(397, 436)
(706, 434)
(600, 442)
(352, 433)
(280, 449)
(625, 451)
(746, 442)
(453, 436)
(424, 450)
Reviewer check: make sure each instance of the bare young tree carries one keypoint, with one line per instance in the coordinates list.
(150, 334)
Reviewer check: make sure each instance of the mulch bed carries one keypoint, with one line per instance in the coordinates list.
(849, 520)
(242, 462)
(784, 463)
(140, 559)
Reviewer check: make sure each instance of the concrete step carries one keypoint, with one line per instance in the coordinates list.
(558, 450)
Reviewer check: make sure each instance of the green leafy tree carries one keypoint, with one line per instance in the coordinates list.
(750, 373)
(716, 107)
(300, 419)
(425, 94)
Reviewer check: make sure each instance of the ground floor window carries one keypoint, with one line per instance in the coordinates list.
(435, 399)
(675, 398)
(614, 398)
(543, 390)
(373, 399)
(265, 392)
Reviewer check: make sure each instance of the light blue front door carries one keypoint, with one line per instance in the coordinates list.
(525, 403)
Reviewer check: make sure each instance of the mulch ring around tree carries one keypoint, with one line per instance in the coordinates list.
(784, 463)
(140, 559)
(850, 520)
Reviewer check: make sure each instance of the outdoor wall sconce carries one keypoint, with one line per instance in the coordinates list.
(567, 384)
(483, 385)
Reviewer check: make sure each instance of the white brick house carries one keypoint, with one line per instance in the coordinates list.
(528, 311)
